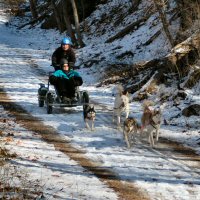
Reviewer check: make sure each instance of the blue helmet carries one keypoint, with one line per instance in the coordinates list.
(66, 41)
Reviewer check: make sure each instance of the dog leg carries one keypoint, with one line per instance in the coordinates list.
(86, 124)
(134, 135)
(151, 140)
(92, 127)
(127, 114)
(118, 121)
(157, 133)
(124, 132)
(126, 135)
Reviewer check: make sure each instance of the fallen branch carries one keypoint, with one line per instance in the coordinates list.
(40, 18)
(128, 29)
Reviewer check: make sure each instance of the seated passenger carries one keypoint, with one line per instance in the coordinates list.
(65, 80)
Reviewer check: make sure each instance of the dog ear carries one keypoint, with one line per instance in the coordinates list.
(148, 103)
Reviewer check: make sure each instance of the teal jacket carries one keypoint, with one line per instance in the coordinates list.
(72, 76)
(62, 74)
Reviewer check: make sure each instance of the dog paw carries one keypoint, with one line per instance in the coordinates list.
(87, 126)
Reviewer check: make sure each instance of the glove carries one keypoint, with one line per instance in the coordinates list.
(78, 81)
(53, 79)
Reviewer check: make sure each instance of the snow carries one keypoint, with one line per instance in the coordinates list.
(24, 55)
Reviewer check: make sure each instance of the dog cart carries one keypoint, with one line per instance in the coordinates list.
(51, 99)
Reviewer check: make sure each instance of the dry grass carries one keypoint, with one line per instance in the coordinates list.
(190, 18)
(14, 184)
(14, 7)
(14, 180)
(193, 79)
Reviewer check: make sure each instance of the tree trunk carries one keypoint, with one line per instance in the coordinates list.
(33, 6)
(163, 19)
(135, 4)
(83, 9)
(77, 25)
(56, 15)
(68, 23)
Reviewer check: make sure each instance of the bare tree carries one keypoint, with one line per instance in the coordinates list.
(135, 4)
(159, 5)
(56, 15)
(83, 8)
(33, 6)
(77, 25)
(67, 22)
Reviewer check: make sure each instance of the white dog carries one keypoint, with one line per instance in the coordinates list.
(151, 120)
(121, 104)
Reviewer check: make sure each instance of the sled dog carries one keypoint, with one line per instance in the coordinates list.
(121, 103)
(130, 129)
(151, 120)
(89, 115)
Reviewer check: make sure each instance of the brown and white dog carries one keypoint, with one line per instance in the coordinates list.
(121, 104)
(89, 114)
(130, 129)
(151, 121)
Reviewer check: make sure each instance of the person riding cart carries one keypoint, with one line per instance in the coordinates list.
(65, 80)
(65, 51)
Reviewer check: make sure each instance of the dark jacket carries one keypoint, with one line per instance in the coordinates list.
(65, 82)
(72, 75)
(59, 54)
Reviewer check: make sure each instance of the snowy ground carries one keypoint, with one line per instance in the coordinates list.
(24, 55)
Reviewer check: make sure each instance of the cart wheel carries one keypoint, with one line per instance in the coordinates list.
(49, 109)
(49, 101)
(41, 103)
(86, 98)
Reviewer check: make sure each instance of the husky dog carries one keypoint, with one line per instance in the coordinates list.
(89, 114)
(131, 128)
(121, 104)
(151, 120)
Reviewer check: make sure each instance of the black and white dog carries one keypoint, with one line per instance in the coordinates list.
(89, 114)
